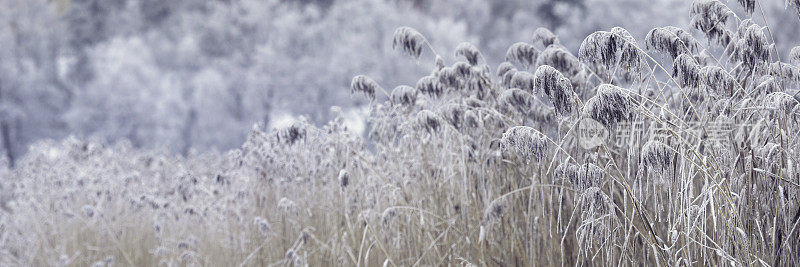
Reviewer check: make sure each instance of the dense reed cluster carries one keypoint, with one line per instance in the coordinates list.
(468, 166)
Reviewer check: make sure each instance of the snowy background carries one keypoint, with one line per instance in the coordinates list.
(196, 74)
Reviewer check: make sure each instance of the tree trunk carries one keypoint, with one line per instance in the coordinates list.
(5, 131)
(191, 120)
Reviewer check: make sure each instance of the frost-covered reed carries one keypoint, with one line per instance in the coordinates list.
(466, 167)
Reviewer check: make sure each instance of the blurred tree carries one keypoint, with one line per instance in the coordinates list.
(87, 24)
(32, 94)
(556, 12)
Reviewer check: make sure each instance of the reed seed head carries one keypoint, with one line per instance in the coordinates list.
(597, 48)
(515, 100)
(566, 172)
(589, 175)
(671, 40)
(508, 76)
(545, 36)
(505, 67)
(594, 201)
(262, 226)
(555, 86)
(609, 106)
(780, 101)
(480, 85)
(687, 71)
(560, 58)
(523, 54)
(468, 51)
(473, 121)
(718, 79)
(794, 55)
(448, 77)
(404, 95)
(524, 142)
(524, 80)
(786, 72)
(439, 62)
(611, 49)
(429, 121)
(495, 211)
(462, 69)
(657, 156)
(710, 17)
(767, 85)
(430, 86)
(293, 133)
(453, 113)
(365, 85)
(387, 216)
(748, 5)
(410, 40)
(286, 205)
(629, 56)
(752, 49)
(88, 211)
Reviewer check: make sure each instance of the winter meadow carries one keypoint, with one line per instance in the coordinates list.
(399, 133)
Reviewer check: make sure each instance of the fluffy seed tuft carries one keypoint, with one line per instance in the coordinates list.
(687, 71)
(473, 122)
(752, 49)
(612, 49)
(448, 77)
(597, 48)
(462, 69)
(453, 113)
(545, 36)
(524, 80)
(468, 51)
(767, 85)
(515, 100)
(748, 5)
(780, 101)
(430, 86)
(523, 54)
(609, 106)
(671, 40)
(262, 225)
(555, 86)
(404, 95)
(286, 205)
(786, 72)
(503, 68)
(365, 85)
(794, 55)
(293, 133)
(657, 156)
(589, 175)
(429, 121)
(710, 16)
(718, 79)
(410, 40)
(629, 57)
(560, 58)
(524, 142)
